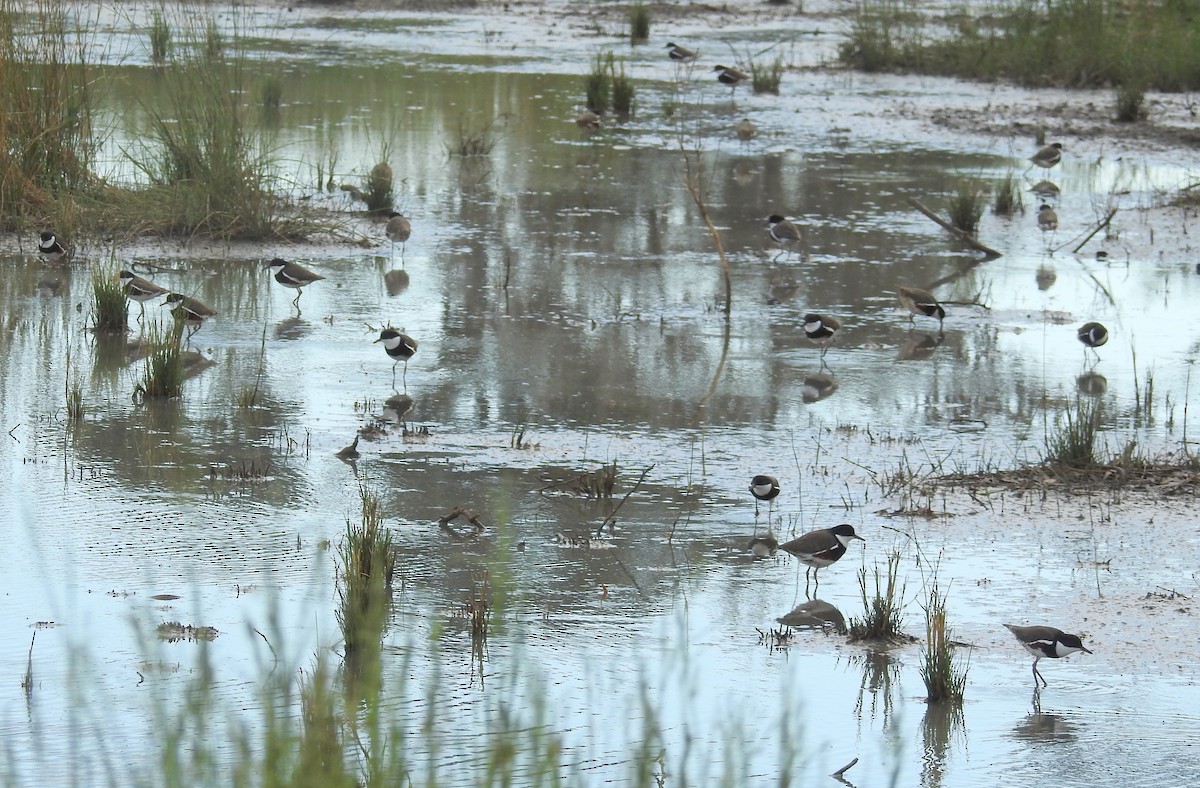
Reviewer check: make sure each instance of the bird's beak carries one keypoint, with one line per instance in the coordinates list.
(377, 340)
(265, 267)
(859, 538)
(1086, 650)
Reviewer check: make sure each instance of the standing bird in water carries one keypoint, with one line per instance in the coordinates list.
(399, 346)
(921, 302)
(680, 54)
(785, 233)
(293, 275)
(51, 249)
(1093, 335)
(1048, 156)
(193, 313)
(820, 329)
(398, 229)
(731, 76)
(745, 130)
(140, 290)
(1046, 642)
(764, 488)
(820, 548)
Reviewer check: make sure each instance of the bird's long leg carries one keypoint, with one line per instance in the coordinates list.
(816, 581)
(404, 376)
(296, 300)
(1037, 675)
(394, 363)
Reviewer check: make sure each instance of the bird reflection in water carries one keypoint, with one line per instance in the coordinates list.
(815, 614)
(1091, 384)
(396, 282)
(1046, 277)
(818, 386)
(292, 328)
(761, 547)
(919, 348)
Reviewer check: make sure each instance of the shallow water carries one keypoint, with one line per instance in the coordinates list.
(608, 345)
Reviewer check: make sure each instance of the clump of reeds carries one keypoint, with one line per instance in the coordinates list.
(270, 96)
(380, 192)
(598, 83)
(472, 141)
(598, 483)
(160, 36)
(945, 679)
(966, 206)
(368, 564)
(110, 305)
(477, 611)
(883, 610)
(1008, 196)
(164, 369)
(46, 122)
(1130, 100)
(320, 749)
(622, 90)
(639, 23)
(1073, 443)
(74, 394)
(765, 78)
(214, 41)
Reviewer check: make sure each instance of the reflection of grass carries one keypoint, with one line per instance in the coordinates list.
(249, 396)
(883, 611)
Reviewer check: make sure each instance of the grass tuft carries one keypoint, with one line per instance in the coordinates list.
(1008, 196)
(765, 78)
(110, 306)
(1073, 443)
(945, 679)
(966, 206)
(1130, 101)
(598, 83)
(160, 37)
(474, 142)
(163, 372)
(622, 91)
(639, 23)
(364, 591)
(882, 611)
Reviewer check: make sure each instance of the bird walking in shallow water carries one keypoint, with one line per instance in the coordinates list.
(786, 233)
(141, 290)
(191, 312)
(1046, 642)
(920, 302)
(731, 76)
(400, 347)
(293, 275)
(398, 230)
(818, 549)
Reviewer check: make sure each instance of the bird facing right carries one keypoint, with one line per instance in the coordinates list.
(1046, 642)
(681, 54)
(920, 302)
(820, 548)
(1048, 156)
(398, 230)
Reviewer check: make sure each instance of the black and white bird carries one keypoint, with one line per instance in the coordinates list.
(680, 54)
(731, 76)
(786, 233)
(292, 275)
(1044, 642)
(820, 329)
(1092, 335)
(820, 548)
(920, 302)
(141, 290)
(51, 248)
(1048, 156)
(398, 230)
(400, 347)
(764, 488)
(191, 312)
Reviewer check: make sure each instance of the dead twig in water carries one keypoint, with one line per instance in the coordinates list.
(965, 237)
(458, 511)
(613, 514)
(1100, 226)
(842, 771)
